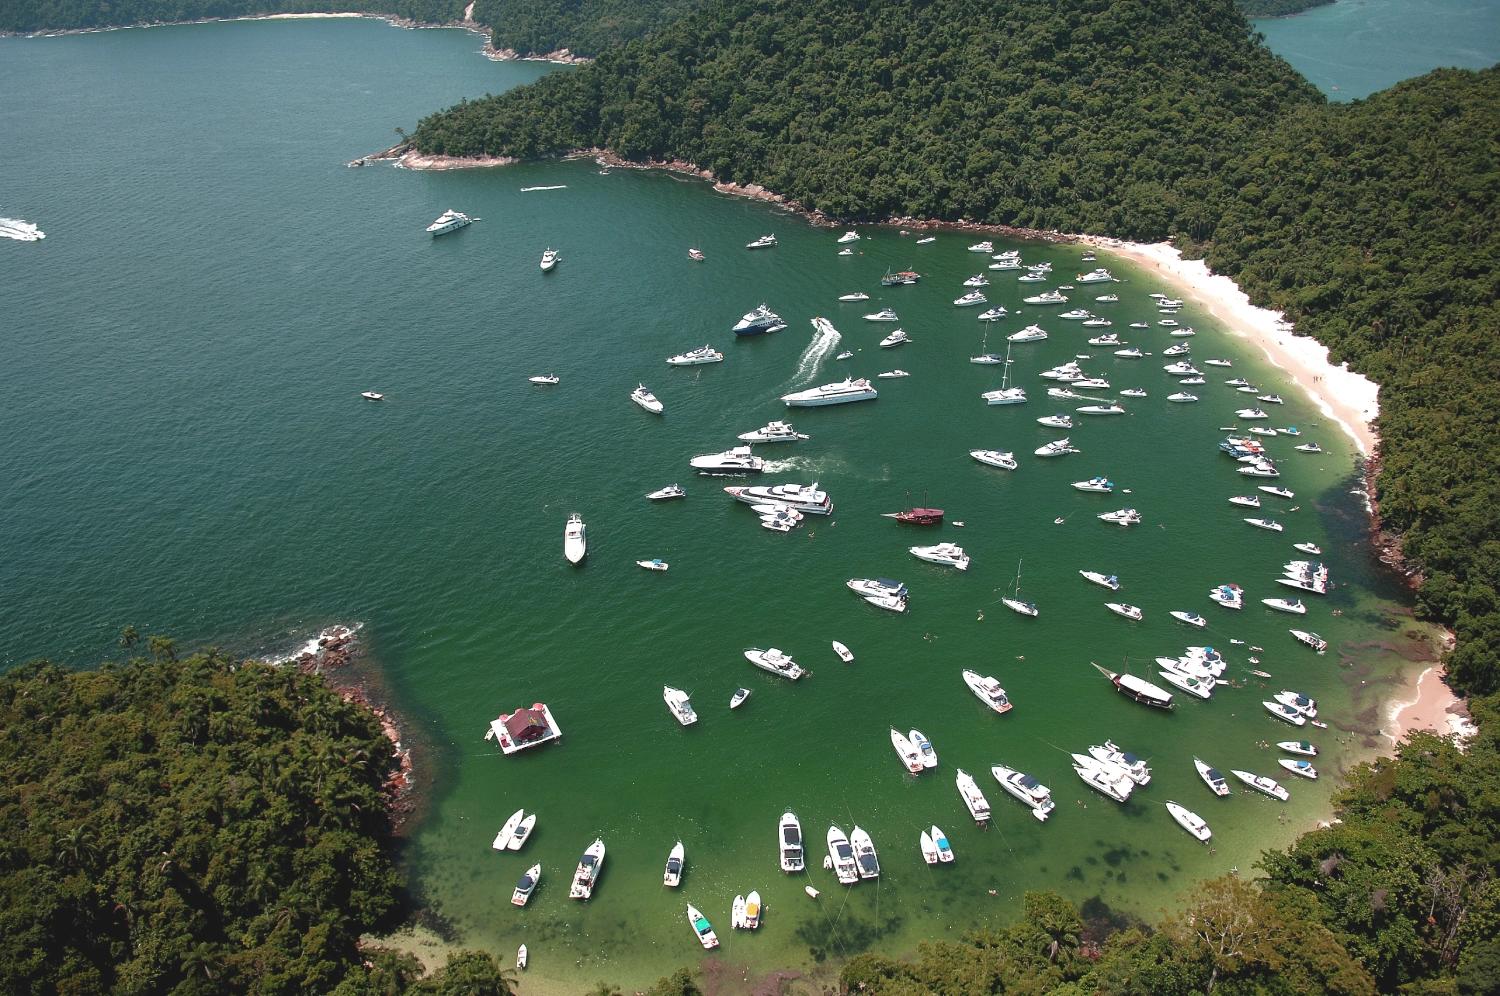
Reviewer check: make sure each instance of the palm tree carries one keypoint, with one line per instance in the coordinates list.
(129, 637)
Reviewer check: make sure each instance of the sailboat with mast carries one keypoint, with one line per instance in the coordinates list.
(1014, 603)
(1005, 395)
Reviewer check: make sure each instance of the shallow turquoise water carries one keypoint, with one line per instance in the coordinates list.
(1352, 48)
(188, 453)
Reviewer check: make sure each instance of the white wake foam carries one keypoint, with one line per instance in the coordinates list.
(825, 339)
(21, 231)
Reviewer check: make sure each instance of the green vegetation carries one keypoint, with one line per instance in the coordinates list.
(1277, 8)
(587, 27)
(58, 15)
(1106, 115)
(197, 825)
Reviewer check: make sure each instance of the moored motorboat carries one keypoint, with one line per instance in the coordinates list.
(1191, 618)
(947, 554)
(1284, 712)
(800, 497)
(1262, 784)
(507, 832)
(789, 843)
(844, 653)
(973, 799)
(1211, 777)
(646, 400)
(550, 258)
(702, 929)
(845, 868)
(695, 357)
(738, 698)
(521, 894)
(883, 315)
(1031, 333)
(545, 379)
(776, 662)
(759, 321)
(995, 458)
(678, 705)
(449, 221)
(575, 539)
(1292, 605)
(735, 460)
(864, 853)
(667, 493)
(586, 876)
(1101, 485)
(1036, 796)
(906, 752)
(753, 910)
(1121, 517)
(1132, 612)
(857, 296)
(896, 338)
(1312, 640)
(944, 849)
(1058, 447)
(1190, 821)
(1105, 779)
(1056, 421)
(1299, 767)
(1312, 549)
(372, 395)
(1270, 524)
(839, 393)
(1298, 747)
(928, 847)
(761, 243)
(1305, 705)
(774, 431)
(988, 691)
(1134, 767)
(1103, 580)
(1201, 687)
(672, 875)
(1230, 596)
(924, 748)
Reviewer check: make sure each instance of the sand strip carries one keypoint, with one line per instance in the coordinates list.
(1431, 706)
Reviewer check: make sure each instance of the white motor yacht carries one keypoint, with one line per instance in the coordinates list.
(545, 379)
(1299, 766)
(992, 314)
(1270, 399)
(507, 832)
(1076, 315)
(575, 539)
(702, 928)
(1249, 413)
(1099, 276)
(1031, 333)
(1312, 640)
(1312, 549)
(550, 258)
(1191, 618)
(1199, 687)
(521, 895)
(1298, 747)
(678, 705)
(857, 296)
(1036, 796)
(987, 359)
(738, 698)
(840, 393)
(1121, 517)
(883, 315)
(1270, 524)
(1231, 596)
(1246, 501)
(947, 554)
(924, 748)
(1099, 485)
(1100, 409)
(1056, 421)
(586, 877)
(1296, 700)
(1103, 580)
(646, 400)
(1211, 777)
(1132, 612)
(789, 843)
(844, 653)
(985, 247)
(800, 497)
(372, 395)
(1292, 605)
(973, 799)
(1190, 821)
(1261, 784)
(849, 236)
(449, 221)
(895, 374)
(1134, 767)
(1058, 447)
(671, 876)
(1107, 339)
(1047, 297)
(654, 564)
(736, 460)
(988, 691)
(1106, 779)
(1182, 368)
(694, 357)
(842, 857)
(906, 752)
(1108, 298)
(773, 432)
(864, 853)
(1308, 448)
(761, 243)
(940, 841)
(775, 662)
(995, 458)
(896, 338)
(1279, 492)
(759, 320)
(928, 847)
(970, 299)
(1284, 712)
(1182, 398)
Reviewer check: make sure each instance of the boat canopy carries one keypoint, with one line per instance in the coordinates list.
(527, 724)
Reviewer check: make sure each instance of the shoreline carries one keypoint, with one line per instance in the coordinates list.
(1432, 706)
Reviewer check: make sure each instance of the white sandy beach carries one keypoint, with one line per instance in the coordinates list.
(1350, 399)
(1432, 706)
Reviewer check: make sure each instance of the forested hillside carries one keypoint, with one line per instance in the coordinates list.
(197, 826)
(1105, 115)
(1277, 8)
(1376, 225)
(55, 15)
(586, 27)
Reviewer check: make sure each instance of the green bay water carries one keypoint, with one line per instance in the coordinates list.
(187, 452)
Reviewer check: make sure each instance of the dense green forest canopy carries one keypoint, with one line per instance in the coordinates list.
(587, 27)
(1106, 115)
(56, 15)
(1277, 8)
(197, 825)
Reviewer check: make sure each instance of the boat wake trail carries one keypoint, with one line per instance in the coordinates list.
(21, 231)
(825, 338)
(560, 186)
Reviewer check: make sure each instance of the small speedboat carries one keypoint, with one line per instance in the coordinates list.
(1191, 618)
(789, 842)
(695, 254)
(928, 847)
(1298, 747)
(1270, 524)
(702, 928)
(521, 894)
(841, 855)
(547, 379)
(508, 831)
(672, 876)
(1302, 703)
(668, 493)
(1132, 612)
(1309, 548)
(372, 395)
(1211, 777)
(906, 752)
(753, 909)
(1298, 766)
(1308, 448)
(995, 458)
(646, 400)
(1261, 783)
(575, 539)
(1279, 492)
(738, 698)
(1292, 605)
(679, 705)
(1190, 821)
(944, 849)
(924, 748)
(857, 296)
(654, 564)
(1103, 580)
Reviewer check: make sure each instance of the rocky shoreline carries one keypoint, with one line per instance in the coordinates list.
(335, 656)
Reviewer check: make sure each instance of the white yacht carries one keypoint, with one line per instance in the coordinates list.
(1135, 768)
(906, 752)
(1101, 485)
(940, 841)
(1076, 315)
(521, 895)
(1121, 517)
(372, 395)
(1103, 580)
(776, 662)
(1312, 640)
(759, 321)
(849, 236)
(1031, 333)
(1056, 421)
(761, 243)
(1201, 687)
(799, 497)
(1099, 276)
(1308, 448)
(693, 357)
(545, 379)
(985, 247)
(1036, 796)
(1103, 778)
(738, 698)
(1091, 384)
(844, 653)
(1133, 392)
(1005, 396)
(1261, 784)
(1191, 618)
(736, 460)
(1231, 596)
(946, 554)
(896, 338)
(1249, 413)
(970, 299)
(1284, 712)
(550, 258)
(1058, 447)
(1108, 298)
(995, 458)
(1047, 297)
(1132, 612)
(1262, 468)
(1100, 409)
(1068, 372)
(1182, 368)
(842, 857)
(840, 393)
(992, 314)
(1270, 524)
(1312, 549)
(21, 231)
(1277, 491)
(974, 800)
(1298, 747)
(1181, 349)
(587, 874)
(773, 432)
(506, 836)
(988, 691)
(1190, 821)
(928, 847)
(575, 539)
(1182, 398)
(449, 221)
(1296, 700)
(1298, 766)
(646, 400)
(789, 842)
(987, 359)
(679, 705)
(1107, 339)
(1211, 777)
(1246, 501)
(702, 928)
(883, 315)
(671, 876)
(1270, 399)
(924, 747)
(895, 374)
(1292, 605)
(856, 296)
